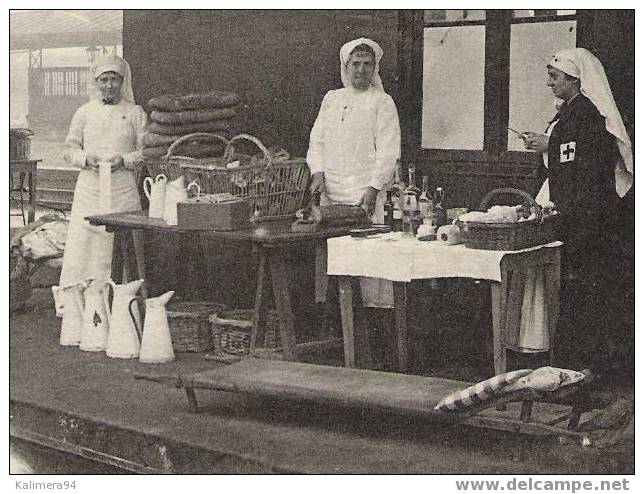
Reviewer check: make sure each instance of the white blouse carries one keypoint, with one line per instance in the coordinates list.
(355, 141)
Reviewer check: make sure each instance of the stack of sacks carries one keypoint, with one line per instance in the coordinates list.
(174, 116)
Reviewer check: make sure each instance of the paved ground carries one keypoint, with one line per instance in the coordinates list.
(71, 397)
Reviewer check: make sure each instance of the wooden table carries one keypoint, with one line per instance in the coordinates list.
(506, 299)
(272, 239)
(28, 168)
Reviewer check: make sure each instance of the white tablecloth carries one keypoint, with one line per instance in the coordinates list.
(394, 257)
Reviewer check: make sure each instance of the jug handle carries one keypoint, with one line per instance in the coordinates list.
(106, 299)
(148, 190)
(139, 331)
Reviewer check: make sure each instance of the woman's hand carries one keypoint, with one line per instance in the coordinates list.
(117, 162)
(368, 201)
(317, 182)
(535, 142)
(92, 161)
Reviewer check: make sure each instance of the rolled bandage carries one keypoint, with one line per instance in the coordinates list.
(105, 185)
(449, 235)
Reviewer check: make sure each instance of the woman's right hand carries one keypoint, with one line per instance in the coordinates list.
(535, 141)
(91, 162)
(317, 182)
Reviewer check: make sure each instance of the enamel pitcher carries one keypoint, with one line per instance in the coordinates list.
(71, 300)
(155, 192)
(123, 340)
(95, 319)
(175, 192)
(156, 342)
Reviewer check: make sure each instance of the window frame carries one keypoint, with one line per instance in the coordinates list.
(496, 89)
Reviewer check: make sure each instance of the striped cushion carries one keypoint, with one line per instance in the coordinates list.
(480, 392)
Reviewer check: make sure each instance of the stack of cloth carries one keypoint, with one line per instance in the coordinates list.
(174, 116)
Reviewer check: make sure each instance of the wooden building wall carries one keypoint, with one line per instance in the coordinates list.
(281, 63)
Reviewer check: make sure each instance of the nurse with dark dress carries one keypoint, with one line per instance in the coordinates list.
(589, 165)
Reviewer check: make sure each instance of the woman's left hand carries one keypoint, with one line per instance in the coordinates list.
(117, 162)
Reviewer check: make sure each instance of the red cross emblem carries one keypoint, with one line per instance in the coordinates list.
(567, 152)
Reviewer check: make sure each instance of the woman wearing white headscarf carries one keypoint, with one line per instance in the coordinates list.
(589, 159)
(353, 149)
(109, 128)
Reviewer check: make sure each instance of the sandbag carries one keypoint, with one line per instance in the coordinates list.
(192, 116)
(184, 129)
(177, 102)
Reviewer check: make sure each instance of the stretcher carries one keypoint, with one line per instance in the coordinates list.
(407, 395)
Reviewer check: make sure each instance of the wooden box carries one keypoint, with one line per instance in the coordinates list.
(200, 214)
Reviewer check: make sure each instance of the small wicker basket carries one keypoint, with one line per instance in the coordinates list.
(509, 236)
(189, 325)
(231, 331)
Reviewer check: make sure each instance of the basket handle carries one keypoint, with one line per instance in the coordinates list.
(189, 137)
(507, 190)
(230, 149)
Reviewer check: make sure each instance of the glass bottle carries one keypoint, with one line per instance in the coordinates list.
(389, 211)
(439, 213)
(396, 198)
(411, 185)
(425, 203)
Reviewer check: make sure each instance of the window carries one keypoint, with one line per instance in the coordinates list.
(486, 69)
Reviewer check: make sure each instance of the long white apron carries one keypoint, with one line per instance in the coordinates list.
(88, 249)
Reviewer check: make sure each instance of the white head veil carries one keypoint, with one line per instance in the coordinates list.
(583, 65)
(346, 50)
(112, 63)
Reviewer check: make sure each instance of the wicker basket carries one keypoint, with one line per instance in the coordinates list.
(509, 236)
(170, 165)
(189, 325)
(274, 188)
(231, 331)
(19, 144)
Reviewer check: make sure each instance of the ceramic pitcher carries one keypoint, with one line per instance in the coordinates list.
(155, 192)
(71, 299)
(156, 342)
(95, 319)
(175, 192)
(123, 339)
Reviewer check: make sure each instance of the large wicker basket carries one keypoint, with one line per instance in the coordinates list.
(189, 325)
(274, 188)
(509, 236)
(231, 331)
(19, 144)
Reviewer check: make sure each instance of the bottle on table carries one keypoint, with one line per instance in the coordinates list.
(389, 211)
(425, 203)
(410, 210)
(396, 198)
(439, 214)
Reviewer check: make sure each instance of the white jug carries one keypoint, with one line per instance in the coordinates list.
(175, 192)
(71, 299)
(155, 192)
(95, 319)
(156, 342)
(123, 340)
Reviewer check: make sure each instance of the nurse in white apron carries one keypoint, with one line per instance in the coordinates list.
(105, 142)
(353, 149)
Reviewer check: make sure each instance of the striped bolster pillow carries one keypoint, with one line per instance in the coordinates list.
(480, 392)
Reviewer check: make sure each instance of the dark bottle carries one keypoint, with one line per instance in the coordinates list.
(440, 213)
(389, 211)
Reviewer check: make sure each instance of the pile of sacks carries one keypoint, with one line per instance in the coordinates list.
(176, 116)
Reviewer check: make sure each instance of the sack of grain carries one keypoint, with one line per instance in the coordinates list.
(210, 99)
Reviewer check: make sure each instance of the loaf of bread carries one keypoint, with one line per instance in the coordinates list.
(153, 139)
(176, 102)
(192, 116)
(191, 150)
(166, 129)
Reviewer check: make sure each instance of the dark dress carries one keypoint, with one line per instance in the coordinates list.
(581, 159)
